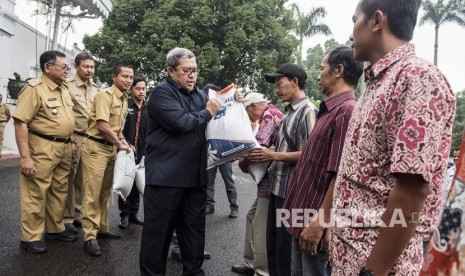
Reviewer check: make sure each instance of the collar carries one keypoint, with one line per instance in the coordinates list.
(49, 83)
(131, 102)
(338, 99)
(79, 82)
(180, 88)
(117, 92)
(401, 52)
(297, 104)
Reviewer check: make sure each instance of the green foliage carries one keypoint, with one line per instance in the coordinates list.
(459, 122)
(234, 40)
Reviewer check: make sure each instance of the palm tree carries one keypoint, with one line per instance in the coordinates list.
(439, 12)
(307, 25)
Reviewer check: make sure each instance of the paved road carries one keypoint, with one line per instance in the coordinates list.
(224, 237)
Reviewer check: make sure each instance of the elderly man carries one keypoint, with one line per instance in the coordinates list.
(268, 119)
(396, 148)
(44, 123)
(178, 115)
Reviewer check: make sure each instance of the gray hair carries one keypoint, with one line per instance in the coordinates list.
(174, 55)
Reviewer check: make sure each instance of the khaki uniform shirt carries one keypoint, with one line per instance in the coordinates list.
(4, 112)
(46, 108)
(83, 97)
(110, 105)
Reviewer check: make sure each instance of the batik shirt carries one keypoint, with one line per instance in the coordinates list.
(402, 124)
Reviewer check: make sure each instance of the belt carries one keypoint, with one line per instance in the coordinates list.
(80, 133)
(98, 140)
(51, 138)
(4, 121)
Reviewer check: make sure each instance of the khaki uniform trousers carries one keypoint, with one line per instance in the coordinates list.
(255, 237)
(2, 130)
(43, 197)
(98, 162)
(73, 208)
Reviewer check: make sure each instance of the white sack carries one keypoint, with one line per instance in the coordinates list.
(229, 133)
(258, 170)
(124, 173)
(140, 176)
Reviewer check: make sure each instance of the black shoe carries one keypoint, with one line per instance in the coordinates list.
(34, 246)
(243, 269)
(77, 223)
(124, 222)
(91, 247)
(176, 254)
(206, 255)
(62, 236)
(210, 209)
(133, 219)
(71, 228)
(108, 235)
(234, 214)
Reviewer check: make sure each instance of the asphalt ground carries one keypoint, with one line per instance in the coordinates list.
(224, 237)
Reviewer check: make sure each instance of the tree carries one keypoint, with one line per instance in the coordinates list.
(439, 12)
(307, 25)
(459, 122)
(234, 41)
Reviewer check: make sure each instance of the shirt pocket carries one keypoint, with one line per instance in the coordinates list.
(115, 115)
(53, 109)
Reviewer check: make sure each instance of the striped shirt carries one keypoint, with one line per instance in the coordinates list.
(298, 122)
(320, 158)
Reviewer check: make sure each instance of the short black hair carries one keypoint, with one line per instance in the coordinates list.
(344, 56)
(136, 80)
(117, 68)
(211, 86)
(402, 15)
(82, 56)
(49, 57)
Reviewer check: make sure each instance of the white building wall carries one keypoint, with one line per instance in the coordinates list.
(20, 49)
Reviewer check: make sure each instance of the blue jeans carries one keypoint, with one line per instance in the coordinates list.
(303, 264)
(226, 173)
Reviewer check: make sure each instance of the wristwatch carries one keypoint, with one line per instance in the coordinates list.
(364, 271)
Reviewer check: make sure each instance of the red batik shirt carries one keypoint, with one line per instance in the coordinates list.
(402, 124)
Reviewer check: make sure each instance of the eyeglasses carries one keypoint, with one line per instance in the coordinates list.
(63, 67)
(188, 71)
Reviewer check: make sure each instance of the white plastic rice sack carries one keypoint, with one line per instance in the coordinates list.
(140, 176)
(124, 173)
(229, 133)
(258, 170)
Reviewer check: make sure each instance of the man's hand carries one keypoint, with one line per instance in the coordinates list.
(27, 166)
(261, 155)
(213, 106)
(238, 96)
(310, 237)
(123, 145)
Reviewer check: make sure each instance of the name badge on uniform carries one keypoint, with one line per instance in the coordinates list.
(52, 99)
(131, 110)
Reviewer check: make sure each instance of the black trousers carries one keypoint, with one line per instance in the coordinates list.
(167, 208)
(278, 242)
(131, 206)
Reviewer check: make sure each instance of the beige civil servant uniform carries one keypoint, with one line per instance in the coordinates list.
(98, 160)
(47, 109)
(83, 97)
(4, 115)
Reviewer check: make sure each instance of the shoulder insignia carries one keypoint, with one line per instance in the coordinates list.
(34, 83)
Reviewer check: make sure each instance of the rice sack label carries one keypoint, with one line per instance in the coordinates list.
(229, 133)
